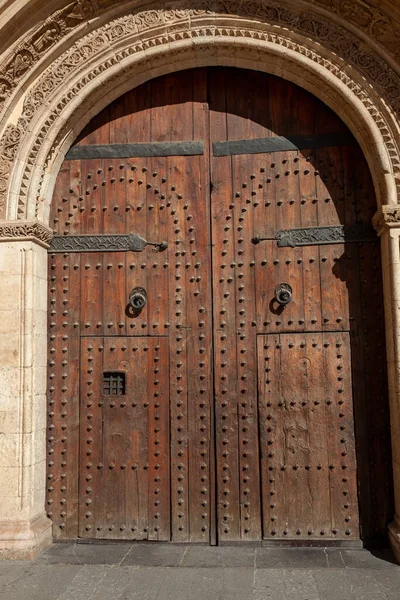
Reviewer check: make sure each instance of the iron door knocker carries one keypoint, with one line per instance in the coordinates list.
(283, 294)
(138, 298)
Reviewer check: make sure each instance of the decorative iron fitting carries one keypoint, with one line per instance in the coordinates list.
(138, 298)
(315, 236)
(281, 144)
(112, 151)
(283, 293)
(103, 243)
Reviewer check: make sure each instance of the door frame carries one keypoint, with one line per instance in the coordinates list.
(37, 143)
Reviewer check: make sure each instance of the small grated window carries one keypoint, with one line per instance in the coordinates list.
(113, 384)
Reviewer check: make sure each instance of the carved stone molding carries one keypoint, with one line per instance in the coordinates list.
(373, 21)
(107, 48)
(5, 167)
(38, 42)
(386, 217)
(370, 20)
(20, 231)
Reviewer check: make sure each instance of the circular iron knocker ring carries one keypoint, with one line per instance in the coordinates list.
(283, 294)
(138, 298)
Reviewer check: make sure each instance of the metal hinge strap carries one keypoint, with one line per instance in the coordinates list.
(137, 150)
(103, 243)
(281, 144)
(315, 236)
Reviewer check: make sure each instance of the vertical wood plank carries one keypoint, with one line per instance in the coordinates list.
(224, 304)
(244, 178)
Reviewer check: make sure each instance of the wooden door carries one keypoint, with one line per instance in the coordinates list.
(290, 379)
(124, 442)
(214, 414)
(143, 427)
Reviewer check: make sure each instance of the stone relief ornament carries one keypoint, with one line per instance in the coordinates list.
(38, 42)
(8, 149)
(26, 231)
(46, 38)
(4, 174)
(367, 18)
(385, 217)
(10, 142)
(162, 24)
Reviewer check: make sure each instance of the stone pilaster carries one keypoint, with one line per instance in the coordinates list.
(387, 223)
(24, 527)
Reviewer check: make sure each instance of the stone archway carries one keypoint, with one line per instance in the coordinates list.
(83, 64)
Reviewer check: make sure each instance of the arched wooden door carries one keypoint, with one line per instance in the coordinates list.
(190, 397)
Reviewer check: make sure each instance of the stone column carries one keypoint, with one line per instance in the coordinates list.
(24, 527)
(387, 223)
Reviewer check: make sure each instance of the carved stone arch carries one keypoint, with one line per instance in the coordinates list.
(354, 81)
(281, 56)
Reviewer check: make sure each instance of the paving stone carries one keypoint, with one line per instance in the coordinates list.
(332, 584)
(228, 577)
(119, 581)
(145, 583)
(388, 581)
(12, 570)
(84, 585)
(355, 584)
(39, 582)
(291, 558)
(300, 585)
(358, 559)
(374, 596)
(154, 555)
(269, 584)
(178, 584)
(85, 554)
(389, 577)
(59, 554)
(203, 556)
(334, 558)
(362, 583)
(222, 584)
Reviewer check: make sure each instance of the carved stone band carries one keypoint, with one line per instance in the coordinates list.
(21, 231)
(386, 217)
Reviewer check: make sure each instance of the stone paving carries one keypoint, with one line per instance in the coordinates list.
(148, 571)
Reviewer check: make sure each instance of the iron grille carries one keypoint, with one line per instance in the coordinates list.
(113, 384)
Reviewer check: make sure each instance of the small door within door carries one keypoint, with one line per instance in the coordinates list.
(124, 439)
(307, 446)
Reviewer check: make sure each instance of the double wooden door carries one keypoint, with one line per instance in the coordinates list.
(186, 403)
